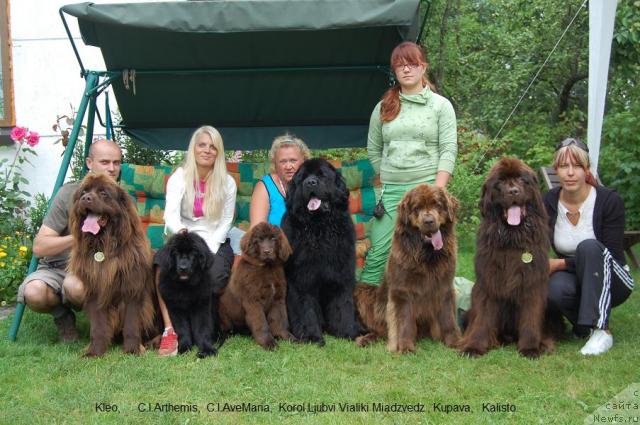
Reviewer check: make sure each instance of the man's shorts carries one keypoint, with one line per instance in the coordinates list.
(53, 277)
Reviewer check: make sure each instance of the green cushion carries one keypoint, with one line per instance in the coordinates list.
(147, 184)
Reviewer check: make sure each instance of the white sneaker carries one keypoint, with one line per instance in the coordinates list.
(599, 342)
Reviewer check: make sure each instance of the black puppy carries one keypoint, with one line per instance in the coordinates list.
(188, 290)
(321, 272)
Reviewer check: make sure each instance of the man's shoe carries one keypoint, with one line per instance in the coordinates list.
(600, 342)
(168, 343)
(66, 325)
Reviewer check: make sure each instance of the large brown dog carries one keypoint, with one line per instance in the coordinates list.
(256, 295)
(509, 297)
(416, 298)
(112, 257)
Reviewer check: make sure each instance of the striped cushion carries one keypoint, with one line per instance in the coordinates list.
(147, 185)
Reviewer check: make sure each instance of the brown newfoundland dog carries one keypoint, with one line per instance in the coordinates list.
(112, 257)
(509, 297)
(416, 298)
(256, 295)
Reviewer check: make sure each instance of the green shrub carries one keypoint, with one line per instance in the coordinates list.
(258, 155)
(342, 154)
(134, 153)
(619, 165)
(534, 143)
(465, 186)
(476, 154)
(262, 155)
(15, 254)
(36, 213)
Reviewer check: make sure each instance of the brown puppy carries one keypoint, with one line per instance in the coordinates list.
(416, 298)
(509, 297)
(255, 297)
(111, 255)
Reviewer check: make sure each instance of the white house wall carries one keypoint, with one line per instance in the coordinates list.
(46, 80)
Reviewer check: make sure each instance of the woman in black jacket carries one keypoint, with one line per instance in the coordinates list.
(586, 222)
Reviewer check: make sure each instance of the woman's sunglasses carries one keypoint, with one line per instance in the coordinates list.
(569, 142)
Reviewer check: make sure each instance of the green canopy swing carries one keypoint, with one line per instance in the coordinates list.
(251, 68)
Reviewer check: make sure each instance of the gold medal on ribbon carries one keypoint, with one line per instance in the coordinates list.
(527, 257)
(99, 256)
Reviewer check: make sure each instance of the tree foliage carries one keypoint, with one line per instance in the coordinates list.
(484, 54)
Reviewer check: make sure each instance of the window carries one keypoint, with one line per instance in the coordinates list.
(7, 118)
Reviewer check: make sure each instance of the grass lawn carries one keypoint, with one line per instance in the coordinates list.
(45, 382)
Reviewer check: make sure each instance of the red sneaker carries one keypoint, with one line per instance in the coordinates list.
(168, 343)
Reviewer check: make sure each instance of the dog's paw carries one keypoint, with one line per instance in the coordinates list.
(354, 333)
(135, 348)
(92, 351)
(407, 347)
(312, 340)
(90, 354)
(364, 340)
(304, 339)
(286, 336)
(471, 352)
(452, 341)
(183, 348)
(269, 344)
(207, 353)
(530, 353)
(153, 343)
(547, 346)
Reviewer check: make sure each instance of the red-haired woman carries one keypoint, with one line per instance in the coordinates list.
(587, 231)
(412, 140)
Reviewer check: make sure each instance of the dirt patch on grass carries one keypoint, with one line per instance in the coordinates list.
(6, 311)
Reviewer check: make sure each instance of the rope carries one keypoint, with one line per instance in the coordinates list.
(533, 80)
(129, 75)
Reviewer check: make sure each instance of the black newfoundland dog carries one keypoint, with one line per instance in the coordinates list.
(187, 287)
(321, 271)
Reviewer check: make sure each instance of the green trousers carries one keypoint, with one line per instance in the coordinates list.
(382, 233)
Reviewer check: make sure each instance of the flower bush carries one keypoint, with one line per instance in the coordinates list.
(15, 254)
(13, 200)
(15, 214)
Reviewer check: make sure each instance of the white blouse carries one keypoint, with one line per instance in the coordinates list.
(213, 232)
(566, 236)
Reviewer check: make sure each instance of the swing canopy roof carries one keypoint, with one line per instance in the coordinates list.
(251, 68)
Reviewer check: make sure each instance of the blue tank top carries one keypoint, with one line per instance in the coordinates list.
(277, 206)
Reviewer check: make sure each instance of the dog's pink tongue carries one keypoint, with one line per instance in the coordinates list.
(513, 215)
(314, 204)
(91, 224)
(436, 240)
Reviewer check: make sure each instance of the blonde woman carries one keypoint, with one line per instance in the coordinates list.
(586, 223)
(268, 200)
(201, 198)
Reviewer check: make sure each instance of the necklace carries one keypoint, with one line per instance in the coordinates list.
(284, 191)
(574, 216)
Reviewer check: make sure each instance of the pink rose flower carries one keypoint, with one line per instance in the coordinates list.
(33, 138)
(18, 133)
